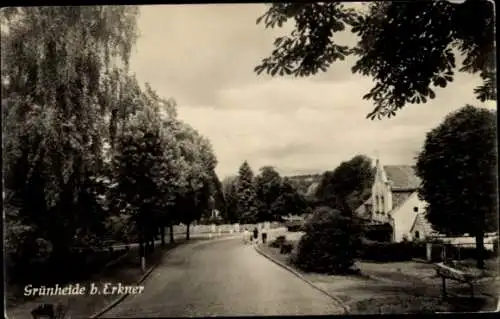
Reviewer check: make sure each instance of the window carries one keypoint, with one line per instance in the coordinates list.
(417, 235)
(415, 209)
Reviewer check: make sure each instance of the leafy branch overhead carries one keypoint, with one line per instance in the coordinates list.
(408, 48)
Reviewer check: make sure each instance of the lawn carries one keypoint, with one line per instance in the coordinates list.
(414, 287)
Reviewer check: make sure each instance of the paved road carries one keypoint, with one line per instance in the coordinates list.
(220, 278)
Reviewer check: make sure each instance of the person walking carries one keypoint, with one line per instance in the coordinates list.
(256, 235)
(246, 236)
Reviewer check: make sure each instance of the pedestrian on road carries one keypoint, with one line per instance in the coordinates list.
(256, 235)
(246, 236)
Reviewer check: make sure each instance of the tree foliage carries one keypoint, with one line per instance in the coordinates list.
(246, 207)
(458, 168)
(268, 187)
(87, 150)
(289, 201)
(54, 60)
(351, 182)
(230, 190)
(408, 48)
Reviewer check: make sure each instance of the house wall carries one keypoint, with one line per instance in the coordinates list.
(381, 196)
(421, 229)
(404, 217)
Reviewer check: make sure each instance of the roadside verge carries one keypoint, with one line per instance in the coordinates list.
(301, 277)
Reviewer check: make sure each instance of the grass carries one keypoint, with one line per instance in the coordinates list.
(415, 289)
(127, 272)
(403, 304)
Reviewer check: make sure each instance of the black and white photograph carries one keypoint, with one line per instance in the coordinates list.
(250, 159)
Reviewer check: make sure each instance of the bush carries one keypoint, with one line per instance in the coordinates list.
(470, 253)
(330, 243)
(387, 252)
(286, 248)
(294, 227)
(280, 240)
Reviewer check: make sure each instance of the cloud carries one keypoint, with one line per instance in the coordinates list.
(203, 56)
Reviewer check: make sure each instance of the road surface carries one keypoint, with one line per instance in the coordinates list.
(222, 278)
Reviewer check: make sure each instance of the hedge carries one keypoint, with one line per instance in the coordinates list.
(280, 240)
(386, 251)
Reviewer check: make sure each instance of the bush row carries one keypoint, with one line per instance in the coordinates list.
(386, 251)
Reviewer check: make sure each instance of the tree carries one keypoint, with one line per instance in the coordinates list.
(330, 243)
(246, 208)
(54, 60)
(138, 162)
(351, 181)
(230, 189)
(458, 168)
(268, 187)
(408, 48)
(219, 202)
(289, 201)
(200, 162)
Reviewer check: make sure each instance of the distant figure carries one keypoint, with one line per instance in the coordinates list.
(264, 235)
(256, 235)
(246, 236)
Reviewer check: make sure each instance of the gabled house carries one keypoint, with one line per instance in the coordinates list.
(394, 202)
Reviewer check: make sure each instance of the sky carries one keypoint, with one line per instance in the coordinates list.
(203, 56)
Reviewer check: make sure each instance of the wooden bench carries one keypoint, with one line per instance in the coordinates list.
(447, 272)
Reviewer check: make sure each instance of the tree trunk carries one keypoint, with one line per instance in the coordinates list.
(480, 250)
(187, 231)
(162, 235)
(171, 231)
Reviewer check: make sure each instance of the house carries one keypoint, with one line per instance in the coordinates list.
(394, 204)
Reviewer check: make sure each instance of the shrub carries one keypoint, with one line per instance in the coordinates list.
(286, 248)
(386, 251)
(280, 240)
(470, 253)
(330, 243)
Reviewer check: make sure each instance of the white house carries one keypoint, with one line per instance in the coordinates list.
(394, 201)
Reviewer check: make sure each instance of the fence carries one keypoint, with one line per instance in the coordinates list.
(454, 249)
(431, 251)
(226, 228)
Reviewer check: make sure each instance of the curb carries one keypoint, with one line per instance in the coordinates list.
(346, 308)
(120, 298)
(146, 275)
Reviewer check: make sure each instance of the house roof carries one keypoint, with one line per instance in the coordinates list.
(398, 198)
(402, 177)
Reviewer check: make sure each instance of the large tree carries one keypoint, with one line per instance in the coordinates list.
(288, 202)
(350, 182)
(138, 163)
(230, 190)
(246, 208)
(268, 187)
(56, 115)
(408, 48)
(200, 161)
(458, 167)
